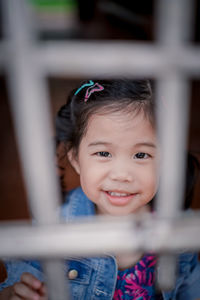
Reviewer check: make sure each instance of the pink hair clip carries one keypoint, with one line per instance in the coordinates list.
(94, 88)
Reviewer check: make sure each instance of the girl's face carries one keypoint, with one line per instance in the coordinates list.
(117, 162)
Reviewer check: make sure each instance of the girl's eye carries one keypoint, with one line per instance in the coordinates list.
(103, 154)
(141, 155)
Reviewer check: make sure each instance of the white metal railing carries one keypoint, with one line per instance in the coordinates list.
(170, 60)
(101, 235)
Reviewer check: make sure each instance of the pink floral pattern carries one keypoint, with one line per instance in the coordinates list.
(137, 282)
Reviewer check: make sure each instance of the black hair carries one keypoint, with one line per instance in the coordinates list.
(117, 95)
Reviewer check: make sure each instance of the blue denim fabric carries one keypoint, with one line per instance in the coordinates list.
(97, 276)
(15, 269)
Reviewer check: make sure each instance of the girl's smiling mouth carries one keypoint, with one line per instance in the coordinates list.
(119, 198)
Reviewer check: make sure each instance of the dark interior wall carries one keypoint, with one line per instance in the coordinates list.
(14, 204)
(12, 190)
(194, 134)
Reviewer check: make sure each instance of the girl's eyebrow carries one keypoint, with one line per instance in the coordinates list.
(147, 144)
(97, 143)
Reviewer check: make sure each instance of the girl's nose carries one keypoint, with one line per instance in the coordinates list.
(121, 171)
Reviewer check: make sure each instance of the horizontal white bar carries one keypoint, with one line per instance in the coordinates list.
(101, 235)
(76, 58)
(115, 58)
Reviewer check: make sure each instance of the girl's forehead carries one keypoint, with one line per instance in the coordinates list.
(124, 117)
(121, 132)
(117, 123)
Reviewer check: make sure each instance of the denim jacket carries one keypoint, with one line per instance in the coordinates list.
(95, 278)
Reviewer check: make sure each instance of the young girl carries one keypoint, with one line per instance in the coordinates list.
(108, 127)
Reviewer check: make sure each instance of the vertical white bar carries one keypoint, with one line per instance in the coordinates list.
(174, 22)
(173, 108)
(173, 29)
(31, 111)
(31, 115)
(56, 279)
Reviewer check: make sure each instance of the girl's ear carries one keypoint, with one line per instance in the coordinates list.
(73, 159)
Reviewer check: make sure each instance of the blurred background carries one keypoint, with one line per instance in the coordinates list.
(81, 20)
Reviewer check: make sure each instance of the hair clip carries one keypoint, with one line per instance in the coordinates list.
(84, 85)
(94, 88)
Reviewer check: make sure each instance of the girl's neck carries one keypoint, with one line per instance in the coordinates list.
(128, 260)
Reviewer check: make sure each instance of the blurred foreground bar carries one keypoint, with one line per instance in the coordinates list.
(173, 32)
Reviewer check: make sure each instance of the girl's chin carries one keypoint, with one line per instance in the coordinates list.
(115, 211)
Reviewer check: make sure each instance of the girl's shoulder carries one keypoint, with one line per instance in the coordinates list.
(76, 205)
(189, 259)
(188, 278)
(189, 268)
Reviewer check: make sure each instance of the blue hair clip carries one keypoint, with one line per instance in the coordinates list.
(84, 85)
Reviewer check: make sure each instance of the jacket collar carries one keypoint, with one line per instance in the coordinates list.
(77, 204)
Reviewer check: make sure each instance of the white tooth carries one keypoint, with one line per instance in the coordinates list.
(118, 194)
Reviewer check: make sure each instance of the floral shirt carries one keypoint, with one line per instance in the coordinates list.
(137, 282)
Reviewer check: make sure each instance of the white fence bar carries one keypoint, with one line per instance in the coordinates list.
(27, 62)
(173, 29)
(109, 58)
(174, 24)
(116, 59)
(173, 109)
(31, 115)
(101, 235)
(56, 282)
